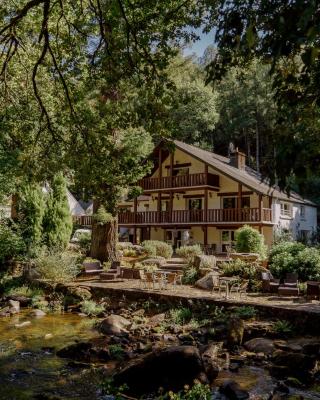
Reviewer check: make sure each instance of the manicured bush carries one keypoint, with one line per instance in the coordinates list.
(57, 220)
(57, 266)
(295, 257)
(189, 253)
(249, 240)
(308, 261)
(283, 258)
(157, 248)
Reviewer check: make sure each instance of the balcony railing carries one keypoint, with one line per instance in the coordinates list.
(196, 216)
(190, 180)
(232, 215)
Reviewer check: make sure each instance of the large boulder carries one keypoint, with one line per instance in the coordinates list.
(37, 313)
(14, 306)
(84, 352)
(260, 345)
(171, 369)
(206, 282)
(203, 261)
(235, 332)
(114, 325)
(297, 365)
(210, 360)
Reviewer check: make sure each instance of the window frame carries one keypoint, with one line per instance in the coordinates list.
(286, 213)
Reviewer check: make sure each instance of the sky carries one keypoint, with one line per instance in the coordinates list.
(199, 46)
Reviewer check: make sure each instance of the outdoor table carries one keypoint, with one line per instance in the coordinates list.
(229, 280)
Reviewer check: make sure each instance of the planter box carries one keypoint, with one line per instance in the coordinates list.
(129, 273)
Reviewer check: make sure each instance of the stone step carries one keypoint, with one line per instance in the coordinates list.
(109, 275)
(176, 260)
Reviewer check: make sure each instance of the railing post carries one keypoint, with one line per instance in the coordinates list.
(260, 206)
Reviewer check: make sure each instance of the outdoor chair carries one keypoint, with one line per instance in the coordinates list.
(239, 288)
(222, 286)
(158, 278)
(170, 279)
(215, 282)
(146, 279)
(291, 280)
(269, 283)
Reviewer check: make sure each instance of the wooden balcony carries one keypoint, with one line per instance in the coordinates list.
(179, 181)
(231, 215)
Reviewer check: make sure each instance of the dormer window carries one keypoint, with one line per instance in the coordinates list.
(285, 209)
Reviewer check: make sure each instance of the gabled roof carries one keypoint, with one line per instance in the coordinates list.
(248, 177)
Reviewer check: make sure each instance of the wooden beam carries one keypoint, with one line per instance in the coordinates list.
(205, 205)
(244, 193)
(260, 206)
(160, 163)
(182, 165)
(205, 235)
(135, 208)
(194, 196)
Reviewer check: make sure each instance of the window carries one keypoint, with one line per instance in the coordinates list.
(164, 205)
(302, 212)
(229, 202)
(285, 209)
(180, 171)
(227, 239)
(195, 204)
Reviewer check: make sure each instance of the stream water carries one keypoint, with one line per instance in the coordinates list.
(29, 368)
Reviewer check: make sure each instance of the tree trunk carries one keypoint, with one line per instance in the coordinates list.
(104, 238)
(257, 144)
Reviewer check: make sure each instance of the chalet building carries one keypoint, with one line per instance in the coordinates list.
(195, 196)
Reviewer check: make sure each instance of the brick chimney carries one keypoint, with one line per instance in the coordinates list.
(238, 159)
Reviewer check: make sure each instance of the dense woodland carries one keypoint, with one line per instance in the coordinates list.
(88, 88)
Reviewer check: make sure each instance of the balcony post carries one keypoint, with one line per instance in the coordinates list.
(205, 236)
(260, 207)
(160, 167)
(159, 207)
(206, 205)
(239, 201)
(206, 171)
(171, 168)
(170, 206)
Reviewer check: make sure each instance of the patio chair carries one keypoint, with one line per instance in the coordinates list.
(222, 286)
(170, 279)
(158, 278)
(215, 282)
(269, 283)
(239, 288)
(146, 279)
(291, 280)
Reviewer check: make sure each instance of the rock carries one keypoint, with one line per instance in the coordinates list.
(157, 320)
(14, 306)
(5, 312)
(297, 365)
(23, 324)
(23, 300)
(158, 261)
(204, 261)
(79, 293)
(209, 359)
(207, 281)
(37, 313)
(260, 345)
(84, 352)
(311, 348)
(233, 391)
(139, 313)
(114, 325)
(171, 369)
(235, 332)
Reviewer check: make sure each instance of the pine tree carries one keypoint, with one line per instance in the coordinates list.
(57, 222)
(31, 208)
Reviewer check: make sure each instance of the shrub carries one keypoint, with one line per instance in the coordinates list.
(246, 312)
(57, 266)
(295, 257)
(91, 308)
(180, 316)
(283, 328)
(308, 264)
(124, 245)
(249, 240)
(116, 352)
(190, 275)
(11, 243)
(129, 253)
(189, 253)
(244, 270)
(85, 241)
(157, 248)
